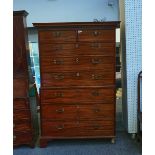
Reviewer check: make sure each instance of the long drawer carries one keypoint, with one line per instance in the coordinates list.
(50, 64)
(78, 48)
(78, 111)
(22, 138)
(49, 36)
(79, 95)
(20, 103)
(76, 78)
(77, 129)
(21, 114)
(56, 36)
(22, 126)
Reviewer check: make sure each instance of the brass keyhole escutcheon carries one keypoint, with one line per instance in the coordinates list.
(95, 93)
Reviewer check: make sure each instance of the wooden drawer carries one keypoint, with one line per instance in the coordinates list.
(96, 128)
(21, 114)
(56, 36)
(21, 126)
(51, 64)
(22, 138)
(68, 49)
(96, 111)
(20, 87)
(77, 129)
(20, 104)
(59, 112)
(77, 78)
(57, 49)
(78, 112)
(96, 35)
(78, 95)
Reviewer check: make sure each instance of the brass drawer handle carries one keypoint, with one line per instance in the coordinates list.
(13, 125)
(57, 34)
(60, 127)
(96, 61)
(58, 95)
(95, 33)
(14, 137)
(59, 77)
(77, 74)
(96, 126)
(97, 77)
(58, 62)
(97, 110)
(95, 93)
(76, 45)
(60, 110)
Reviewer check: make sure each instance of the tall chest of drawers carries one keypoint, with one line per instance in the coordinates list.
(77, 65)
(23, 132)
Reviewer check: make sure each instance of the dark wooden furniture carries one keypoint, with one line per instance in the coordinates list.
(22, 120)
(77, 62)
(139, 107)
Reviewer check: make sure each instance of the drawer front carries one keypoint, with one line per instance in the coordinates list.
(77, 129)
(59, 112)
(20, 87)
(85, 95)
(21, 114)
(96, 128)
(50, 64)
(76, 78)
(20, 104)
(96, 35)
(22, 138)
(95, 48)
(96, 111)
(22, 126)
(78, 112)
(57, 36)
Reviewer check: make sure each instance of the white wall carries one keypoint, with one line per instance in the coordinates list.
(67, 10)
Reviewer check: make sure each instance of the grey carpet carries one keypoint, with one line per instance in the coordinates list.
(124, 146)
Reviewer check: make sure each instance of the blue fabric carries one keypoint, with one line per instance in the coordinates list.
(124, 146)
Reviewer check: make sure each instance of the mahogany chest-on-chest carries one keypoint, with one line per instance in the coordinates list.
(77, 65)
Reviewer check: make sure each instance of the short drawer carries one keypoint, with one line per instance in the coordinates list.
(96, 35)
(59, 112)
(20, 103)
(21, 114)
(96, 111)
(77, 128)
(68, 49)
(77, 78)
(56, 36)
(50, 64)
(20, 87)
(78, 95)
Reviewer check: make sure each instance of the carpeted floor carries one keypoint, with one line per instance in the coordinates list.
(124, 146)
